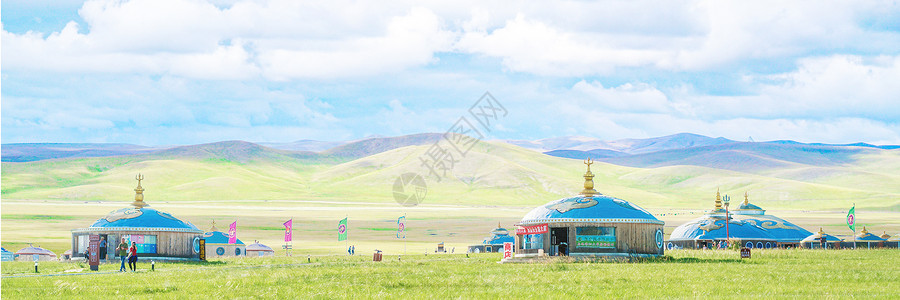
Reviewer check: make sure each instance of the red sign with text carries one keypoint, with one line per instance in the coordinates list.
(507, 250)
(535, 229)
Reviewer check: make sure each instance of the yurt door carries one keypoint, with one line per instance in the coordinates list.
(558, 236)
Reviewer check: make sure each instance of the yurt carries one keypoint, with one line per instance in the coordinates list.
(894, 241)
(814, 241)
(710, 231)
(868, 240)
(782, 231)
(493, 243)
(257, 249)
(217, 244)
(589, 225)
(31, 253)
(157, 234)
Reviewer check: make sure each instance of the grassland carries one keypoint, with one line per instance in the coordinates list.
(871, 274)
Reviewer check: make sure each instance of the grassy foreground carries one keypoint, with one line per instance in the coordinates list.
(683, 273)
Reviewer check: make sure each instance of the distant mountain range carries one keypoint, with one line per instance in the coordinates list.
(627, 152)
(24, 152)
(626, 146)
(681, 170)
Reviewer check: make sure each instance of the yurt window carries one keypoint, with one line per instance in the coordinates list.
(533, 241)
(83, 243)
(595, 237)
(144, 243)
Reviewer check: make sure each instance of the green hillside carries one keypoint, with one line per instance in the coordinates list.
(490, 174)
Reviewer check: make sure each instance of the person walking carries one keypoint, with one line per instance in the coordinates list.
(122, 250)
(132, 256)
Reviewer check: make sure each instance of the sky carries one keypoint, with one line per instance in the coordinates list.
(164, 72)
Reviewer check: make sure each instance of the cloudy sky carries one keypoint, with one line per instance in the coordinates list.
(160, 72)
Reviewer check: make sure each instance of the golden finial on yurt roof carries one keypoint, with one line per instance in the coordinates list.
(864, 231)
(821, 232)
(718, 200)
(589, 180)
(139, 193)
(746, 198)
(213, 228)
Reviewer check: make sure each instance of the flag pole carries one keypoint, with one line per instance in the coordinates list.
(404, 233)
(347, 233)
(854, 225)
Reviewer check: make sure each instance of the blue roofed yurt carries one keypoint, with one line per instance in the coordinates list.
(217, 244)
(156, 234)
(782, 231)
(710, 231)
(493, 243)
(589, 225)
(814, 241)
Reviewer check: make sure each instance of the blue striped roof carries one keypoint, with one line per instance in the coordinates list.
(713, 228)
(141, 217)
(218, 237)
(582, 207)
(781, 229)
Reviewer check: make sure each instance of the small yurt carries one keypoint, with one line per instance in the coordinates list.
(493, 243)
(257, 249)
(814, 241)
(710, 231)
(67, 255)
(6, 255)
(894, 241)
(589, 225)
(217, 244)
(29, 253)
(156, 234)
(785, 233)
(868, 240)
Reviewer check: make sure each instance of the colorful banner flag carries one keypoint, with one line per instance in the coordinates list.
(342, 230)
(287, 230)
(401, 227)
(851, 218)
(232, 233)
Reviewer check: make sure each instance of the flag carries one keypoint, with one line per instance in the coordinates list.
(287, 230)
(401, 227)
(851, 218)
(342, 230)
(232, 233)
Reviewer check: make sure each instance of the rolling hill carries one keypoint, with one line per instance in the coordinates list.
(492, 173)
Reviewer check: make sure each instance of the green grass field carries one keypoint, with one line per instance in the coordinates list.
(871, 274)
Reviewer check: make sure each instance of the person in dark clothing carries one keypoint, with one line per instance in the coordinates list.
(102, 248)
(132, 256)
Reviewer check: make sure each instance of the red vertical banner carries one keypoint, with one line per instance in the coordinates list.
(507, 250)
(287, 230)
(232, 233)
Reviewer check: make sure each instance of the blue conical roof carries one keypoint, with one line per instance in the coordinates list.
(147, 218)
(597, 208)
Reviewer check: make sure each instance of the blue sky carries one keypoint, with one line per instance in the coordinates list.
(160, 72)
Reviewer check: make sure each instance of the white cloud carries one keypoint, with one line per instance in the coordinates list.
(280, 40)
(579, 39)
(409, 41)
(840, 86)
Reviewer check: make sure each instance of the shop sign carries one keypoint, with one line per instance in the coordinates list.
(534, 229)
